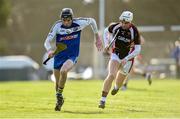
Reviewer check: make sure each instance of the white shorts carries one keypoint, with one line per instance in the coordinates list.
(123, 69)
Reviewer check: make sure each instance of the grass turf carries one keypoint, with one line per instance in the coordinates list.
(36, 99)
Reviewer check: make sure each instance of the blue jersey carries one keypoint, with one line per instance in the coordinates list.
(72, 40)
(69, 36)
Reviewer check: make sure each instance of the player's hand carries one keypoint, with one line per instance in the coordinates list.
(124, 61)
(98, 43)
(106, 51)
(50, 54)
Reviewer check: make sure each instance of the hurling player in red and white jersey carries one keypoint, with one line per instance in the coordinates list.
(139, 67)
(127, 45)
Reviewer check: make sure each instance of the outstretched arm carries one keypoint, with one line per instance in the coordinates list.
(137, 47)
(98, 41)
(48, 44)
(134, 53)
(107, 37)
(90, 21)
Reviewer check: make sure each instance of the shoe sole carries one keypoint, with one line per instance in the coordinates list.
(58, 107)
(113, 92)
(102, 107)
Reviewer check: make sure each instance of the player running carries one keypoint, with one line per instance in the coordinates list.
(67, 31)
(126, 46)
(139, 66)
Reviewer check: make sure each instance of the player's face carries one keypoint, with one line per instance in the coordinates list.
(67, 22)
(125, 25)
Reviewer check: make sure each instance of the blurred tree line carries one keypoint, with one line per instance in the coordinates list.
(4, 12)
(24, 24)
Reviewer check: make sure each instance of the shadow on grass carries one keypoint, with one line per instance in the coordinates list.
(134, 110)
(143, 90)
(83, 112)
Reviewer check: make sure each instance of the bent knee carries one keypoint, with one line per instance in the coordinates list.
(111, 76)
(63, 71)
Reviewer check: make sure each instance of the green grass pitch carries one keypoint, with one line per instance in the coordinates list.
(36, 99)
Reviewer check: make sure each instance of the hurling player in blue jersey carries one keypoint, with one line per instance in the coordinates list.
(67, 31)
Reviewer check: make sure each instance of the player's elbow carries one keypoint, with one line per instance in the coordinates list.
(138, 48)
(92, 20)
(93, 23)
(45, 44)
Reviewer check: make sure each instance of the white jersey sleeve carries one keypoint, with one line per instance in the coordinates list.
(83, 22)
(49, 45)
(107, 37)
(136, 51)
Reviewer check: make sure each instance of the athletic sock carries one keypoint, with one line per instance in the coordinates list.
(116, 87)
(60, 90)
(103, 99)
(103, 96)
